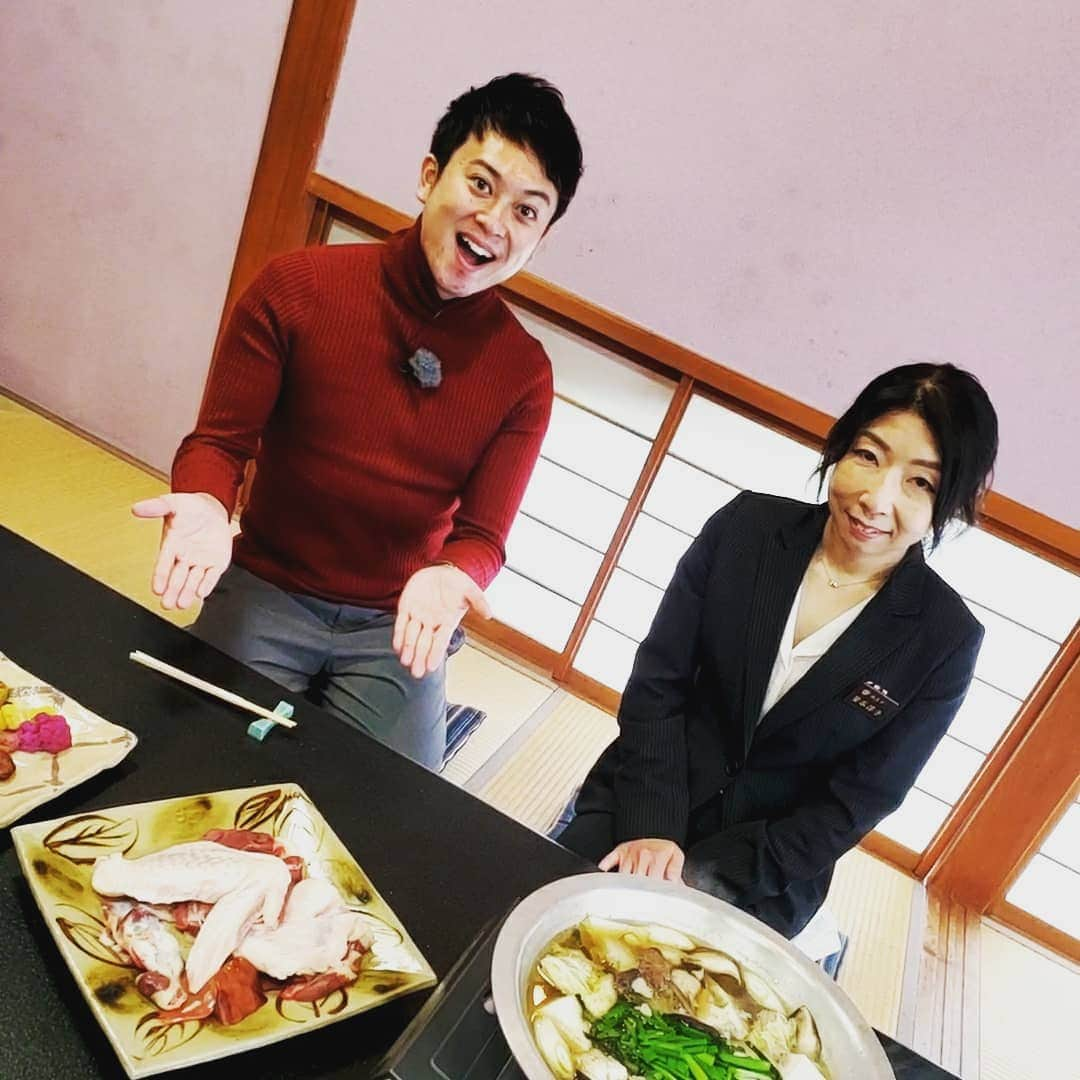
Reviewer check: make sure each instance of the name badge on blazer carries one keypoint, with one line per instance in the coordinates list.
(873, 699)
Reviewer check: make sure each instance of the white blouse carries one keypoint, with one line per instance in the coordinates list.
(820, 936)
(794, 661)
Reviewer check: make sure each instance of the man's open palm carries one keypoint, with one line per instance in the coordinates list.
(196, 546)
(431, 605)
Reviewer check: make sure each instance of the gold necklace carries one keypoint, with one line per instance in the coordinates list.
(830, 578)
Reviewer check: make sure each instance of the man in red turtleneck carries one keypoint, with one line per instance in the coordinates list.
(395, 409)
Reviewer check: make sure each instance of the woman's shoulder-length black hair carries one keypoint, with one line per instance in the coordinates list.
(958, 412)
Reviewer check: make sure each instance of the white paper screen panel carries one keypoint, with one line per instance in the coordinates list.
(1049, 886)
(604, 417)
(341, 233)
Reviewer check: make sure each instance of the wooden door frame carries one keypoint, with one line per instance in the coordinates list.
(1004, 816)
(279, 210)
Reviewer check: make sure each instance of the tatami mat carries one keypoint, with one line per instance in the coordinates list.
(872, 904)
(507, 695)
(1030, 1001)
(535, 784)
(74, 499)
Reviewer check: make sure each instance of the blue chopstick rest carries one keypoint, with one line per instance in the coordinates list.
(259, 729)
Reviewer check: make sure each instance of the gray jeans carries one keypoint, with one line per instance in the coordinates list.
(343, 653)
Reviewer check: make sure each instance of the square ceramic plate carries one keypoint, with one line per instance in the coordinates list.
(58, 857)
(96, 745)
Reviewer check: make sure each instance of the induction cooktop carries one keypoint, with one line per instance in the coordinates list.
(456, 1035)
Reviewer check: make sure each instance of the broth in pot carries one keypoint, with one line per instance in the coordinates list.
(620, 1001)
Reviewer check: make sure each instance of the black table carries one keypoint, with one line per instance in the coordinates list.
(448, 864)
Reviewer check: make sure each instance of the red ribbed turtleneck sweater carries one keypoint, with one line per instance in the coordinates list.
(363, 476)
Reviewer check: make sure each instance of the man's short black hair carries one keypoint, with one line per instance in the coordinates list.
(526, 110)
(958, 412)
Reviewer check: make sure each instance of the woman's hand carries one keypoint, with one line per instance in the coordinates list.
(649, 858)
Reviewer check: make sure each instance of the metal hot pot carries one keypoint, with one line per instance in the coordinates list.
(850, 1047)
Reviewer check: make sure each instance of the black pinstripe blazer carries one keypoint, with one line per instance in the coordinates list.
(765, 809)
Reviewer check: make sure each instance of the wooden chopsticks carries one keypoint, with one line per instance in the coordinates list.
(210, 688)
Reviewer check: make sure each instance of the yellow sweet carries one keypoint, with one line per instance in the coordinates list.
(12, 715)
(5, 690)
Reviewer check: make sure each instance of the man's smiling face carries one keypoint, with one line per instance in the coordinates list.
(483, 214)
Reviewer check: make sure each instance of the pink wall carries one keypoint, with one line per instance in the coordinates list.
(805, 193)
(129, 138)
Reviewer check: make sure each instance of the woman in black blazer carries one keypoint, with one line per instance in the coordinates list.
(743, 766)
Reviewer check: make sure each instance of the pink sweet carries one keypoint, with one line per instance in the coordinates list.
(48, 732)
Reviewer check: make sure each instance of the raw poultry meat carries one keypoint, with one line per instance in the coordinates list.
(223, 929)
(242, 886)
(138, 931)
(314, 935)
(202, 870)
(251, 909)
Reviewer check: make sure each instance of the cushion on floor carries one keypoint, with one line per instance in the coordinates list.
(461, 722)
